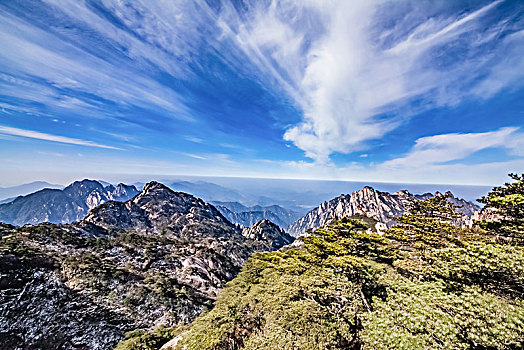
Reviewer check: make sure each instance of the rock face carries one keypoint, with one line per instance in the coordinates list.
(266, 231)
(156, 259)
(62, 206)
(380, 206)
(487, 214)
(247, 216)
(157, 209)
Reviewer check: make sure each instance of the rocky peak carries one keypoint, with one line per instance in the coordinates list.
(380, 206)
(154, 186)
(83, 188)
(62, 206)
(156, 209)
(266, 231)
(123, 189)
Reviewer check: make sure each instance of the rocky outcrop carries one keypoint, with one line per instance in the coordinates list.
(157, 259)
(62, 206)
(266, 231)
(380, 206)
(488, 214)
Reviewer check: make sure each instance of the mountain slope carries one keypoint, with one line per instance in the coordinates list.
(157, 259)
(426, 285)
(381, 206)
(62, 206)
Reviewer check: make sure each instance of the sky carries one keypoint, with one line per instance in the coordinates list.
(392, 91)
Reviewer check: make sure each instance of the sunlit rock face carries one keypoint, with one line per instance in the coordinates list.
(380, 206)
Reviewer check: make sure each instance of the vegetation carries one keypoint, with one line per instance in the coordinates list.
(508, 201)
(425, 284)
(124, 272)
(142, 340)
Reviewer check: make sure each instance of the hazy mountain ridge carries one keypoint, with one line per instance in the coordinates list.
(10, 193)
(158, 258)
(247, 216)
(378, 205)
(62, 206)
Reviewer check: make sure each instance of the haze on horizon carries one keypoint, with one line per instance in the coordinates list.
(382, 91)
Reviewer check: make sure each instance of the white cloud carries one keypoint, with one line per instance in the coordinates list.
(433, 159)
(30, 51)
(353, 79)
(509, 71)
(349, 75)
(440, 149)
(48, 137)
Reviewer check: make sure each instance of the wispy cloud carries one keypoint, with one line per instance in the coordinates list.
(353, 76)
(432, 159)
(53, 138)
(46, 68)
(440, 149)
(253, 78)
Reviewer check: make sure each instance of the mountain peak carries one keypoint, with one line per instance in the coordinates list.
(155, 186)
(380, 206)
(62, 206)
(156, 209)
(267, 231)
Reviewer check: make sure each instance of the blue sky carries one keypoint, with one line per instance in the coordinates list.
(393, 91)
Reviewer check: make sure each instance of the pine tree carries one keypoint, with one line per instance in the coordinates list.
(428, 223)
(508, 202)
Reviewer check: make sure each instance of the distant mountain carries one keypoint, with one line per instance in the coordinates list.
(206, 190)
(7, 200)
(247, 216)
(62, 206)
(380, 206)
(15, 191)
(159, 258)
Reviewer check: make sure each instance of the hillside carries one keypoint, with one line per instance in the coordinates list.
(423, 284)
(343, 289)
(157, 259)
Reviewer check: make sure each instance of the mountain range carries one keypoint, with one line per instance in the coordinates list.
(62, 205)
(159, 258)
(7, 194)
(246, 216)
(380, 206)
(122, 263)
(74, 202)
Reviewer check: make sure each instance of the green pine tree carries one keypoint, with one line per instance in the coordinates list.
(508, 202)
(427, 224)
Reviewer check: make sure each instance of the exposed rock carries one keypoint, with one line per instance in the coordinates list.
(380, 206)
(487, 214)
(157, 259)
(266, 231)
(62, 206)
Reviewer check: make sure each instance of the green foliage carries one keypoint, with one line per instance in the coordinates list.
(428, 224)
(426, 284)
(428, 316)
(142, 340)
(508, 201)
